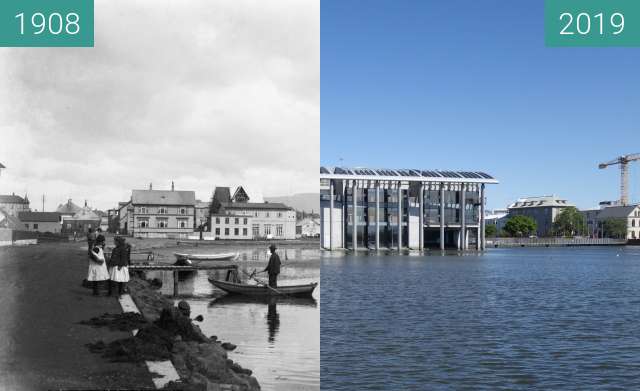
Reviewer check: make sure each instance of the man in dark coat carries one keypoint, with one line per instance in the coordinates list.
(273, 267)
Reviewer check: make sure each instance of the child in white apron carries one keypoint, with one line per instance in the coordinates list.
(97, 268)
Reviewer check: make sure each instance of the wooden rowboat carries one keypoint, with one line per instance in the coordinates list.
(260, 290)
(206, 257)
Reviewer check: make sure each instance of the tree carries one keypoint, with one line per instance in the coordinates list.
(491, 230)
(569, 222)
(520, 226)
(614, 228)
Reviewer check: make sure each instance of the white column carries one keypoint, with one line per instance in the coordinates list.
(442, 216)
(377, 215)
(354, 216)
(463, 223)
(482, 228)
(399, 215)
(344, 215)
(421, 219)
(330, 214)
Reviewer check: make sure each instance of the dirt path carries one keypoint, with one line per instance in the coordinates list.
(42, 346)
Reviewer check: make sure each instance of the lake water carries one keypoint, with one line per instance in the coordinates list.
(278, 340)
(511, 319)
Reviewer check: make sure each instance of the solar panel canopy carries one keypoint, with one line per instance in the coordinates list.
(407, 173)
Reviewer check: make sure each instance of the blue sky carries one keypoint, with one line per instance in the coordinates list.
(471, 85)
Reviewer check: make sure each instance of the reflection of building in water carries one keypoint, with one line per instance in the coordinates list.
(402, 208)
(273, 320)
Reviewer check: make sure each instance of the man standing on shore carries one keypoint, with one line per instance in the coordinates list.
(273, 267)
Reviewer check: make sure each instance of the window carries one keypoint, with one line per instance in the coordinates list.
(245, 221)
(26, 226)
(162, 223)
(255, 214)
(245, 232)
(237, 220)
(143, 209)
(633, 223)
(143, 224)
(267, 229)
(35, 226)
(226, 220)
(183, 224)
(163, 211)
(278, 229)
(279, 214)
(266, 214)
(217, 231)
(236, 231)
(255, 230)
(183, 211)
(217, 220)
(226, 231)
(68, 225)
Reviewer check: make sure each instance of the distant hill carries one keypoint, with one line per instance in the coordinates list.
(303, 202)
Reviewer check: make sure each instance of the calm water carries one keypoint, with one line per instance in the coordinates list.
(278, 340)
(548, 319)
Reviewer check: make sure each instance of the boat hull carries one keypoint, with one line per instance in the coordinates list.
(258, 290)
(206, 257)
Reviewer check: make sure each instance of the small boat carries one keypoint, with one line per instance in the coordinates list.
(206, 257)
(262, 290)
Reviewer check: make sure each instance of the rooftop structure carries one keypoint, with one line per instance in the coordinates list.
(543, 210)
(402, 208)
(542, 201)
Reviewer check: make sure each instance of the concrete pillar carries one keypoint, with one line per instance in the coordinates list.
(482, 228)
(463, 222)
(421, 219)
(399, 216)
(442, 216)
(344, 215)
(354, 215)
(377, 215)
(330, 214)
(459, 240)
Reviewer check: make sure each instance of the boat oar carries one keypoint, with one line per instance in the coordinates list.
(260, 282)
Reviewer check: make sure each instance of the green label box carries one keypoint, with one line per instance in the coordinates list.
(592, 22)
(46, 23)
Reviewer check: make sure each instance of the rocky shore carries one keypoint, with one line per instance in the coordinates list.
(201, 361)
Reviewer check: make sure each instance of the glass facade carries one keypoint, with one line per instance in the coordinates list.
(364, 215)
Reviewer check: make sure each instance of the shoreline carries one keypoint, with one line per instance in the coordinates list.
(200, 365)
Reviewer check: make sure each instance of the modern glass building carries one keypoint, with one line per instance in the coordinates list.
(364, 208)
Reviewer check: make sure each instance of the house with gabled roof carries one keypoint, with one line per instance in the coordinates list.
(14, 204)
(159, 213)
(41, 221)
(237, 218)
(630, 214)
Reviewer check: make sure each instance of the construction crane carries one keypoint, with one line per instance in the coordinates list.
(623, 161)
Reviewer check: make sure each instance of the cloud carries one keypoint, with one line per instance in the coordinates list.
(204, 93)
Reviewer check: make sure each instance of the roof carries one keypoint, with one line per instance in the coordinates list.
(240, 195)
(39, 217)
(222, 194)
(540, 202)
(405, 174)
(69, 208)
(163, 197)
(256, 205)
(85, 214)
(12, 199)
(613, 212)
(202, 204)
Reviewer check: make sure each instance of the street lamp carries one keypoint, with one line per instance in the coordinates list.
(203, 223)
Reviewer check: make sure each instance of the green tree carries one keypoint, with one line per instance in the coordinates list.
(569, 222)
(490, 230)
(520, 226)
(614, 228)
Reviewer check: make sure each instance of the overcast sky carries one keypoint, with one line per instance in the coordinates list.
(203, 93)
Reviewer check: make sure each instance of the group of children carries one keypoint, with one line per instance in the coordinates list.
(115, 269)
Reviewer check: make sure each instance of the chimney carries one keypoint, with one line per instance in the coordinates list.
(172, 186)
(150, 186)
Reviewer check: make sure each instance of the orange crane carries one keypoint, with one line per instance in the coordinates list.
(623, 161)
